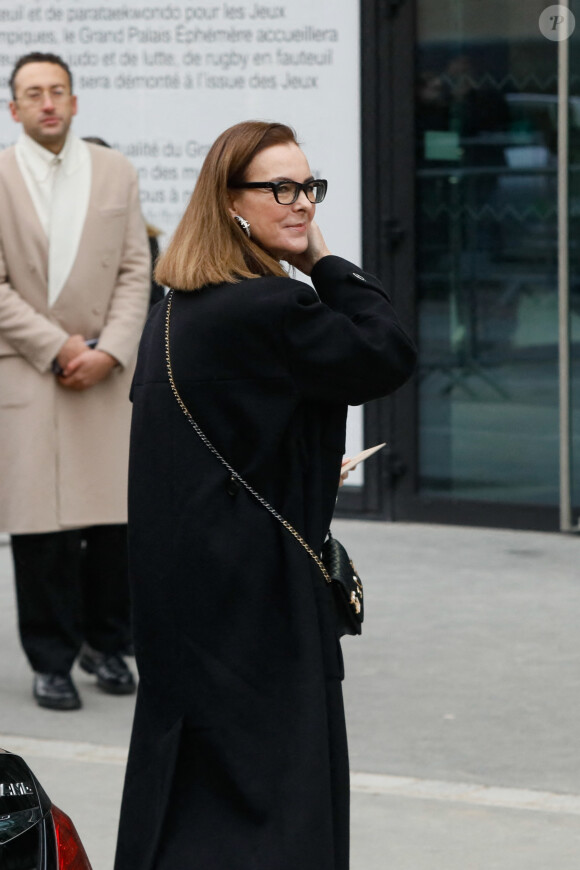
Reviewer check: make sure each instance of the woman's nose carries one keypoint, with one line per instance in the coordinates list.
(302, 201)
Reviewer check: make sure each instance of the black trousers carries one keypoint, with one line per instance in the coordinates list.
(71, 586)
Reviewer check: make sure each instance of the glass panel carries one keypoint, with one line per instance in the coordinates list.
(24, 852)
(487, 250)
(574, 146)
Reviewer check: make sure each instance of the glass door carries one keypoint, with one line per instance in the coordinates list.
(486, 260)
(574, 296)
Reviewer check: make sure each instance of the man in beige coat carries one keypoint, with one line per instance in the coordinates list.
(74, 286)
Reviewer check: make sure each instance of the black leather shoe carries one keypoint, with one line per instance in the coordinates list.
(56, 692)
(112, 673)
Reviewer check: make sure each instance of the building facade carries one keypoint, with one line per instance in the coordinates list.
(471, 207)
(453, 172)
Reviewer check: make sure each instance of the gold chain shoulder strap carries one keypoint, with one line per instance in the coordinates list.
(234, 474)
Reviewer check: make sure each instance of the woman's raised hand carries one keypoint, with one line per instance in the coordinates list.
(315, 251)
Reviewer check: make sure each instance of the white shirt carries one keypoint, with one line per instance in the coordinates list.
(60, 187)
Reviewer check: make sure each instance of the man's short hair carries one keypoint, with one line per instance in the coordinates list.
(39, 57)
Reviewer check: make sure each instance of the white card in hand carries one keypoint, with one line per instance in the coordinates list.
(360, 457)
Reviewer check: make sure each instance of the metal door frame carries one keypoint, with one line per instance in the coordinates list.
(382, 233)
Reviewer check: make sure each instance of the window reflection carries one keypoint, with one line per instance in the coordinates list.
(486, 206)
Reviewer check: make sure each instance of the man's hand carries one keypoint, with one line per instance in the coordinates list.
(73, 346)
(87, 369)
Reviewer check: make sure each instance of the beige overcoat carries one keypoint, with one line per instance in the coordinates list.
(64, 454)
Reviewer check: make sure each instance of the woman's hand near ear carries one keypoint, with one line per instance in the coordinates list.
(315, 251)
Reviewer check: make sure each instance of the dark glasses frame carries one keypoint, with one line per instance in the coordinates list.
(320, 183)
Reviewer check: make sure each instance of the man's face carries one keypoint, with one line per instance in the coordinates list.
(43, 104)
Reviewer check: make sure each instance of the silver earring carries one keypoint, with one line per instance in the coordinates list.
(244, 224)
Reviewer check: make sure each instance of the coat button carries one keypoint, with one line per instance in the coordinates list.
(232, 485)
(358, 277)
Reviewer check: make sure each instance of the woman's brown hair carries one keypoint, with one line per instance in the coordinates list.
(208, 246)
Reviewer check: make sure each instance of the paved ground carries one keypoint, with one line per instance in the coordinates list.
(463, 704)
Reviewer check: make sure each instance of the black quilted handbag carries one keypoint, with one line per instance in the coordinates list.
(346, 587)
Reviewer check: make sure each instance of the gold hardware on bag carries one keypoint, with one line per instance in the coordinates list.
(357, 581)
(354, 601)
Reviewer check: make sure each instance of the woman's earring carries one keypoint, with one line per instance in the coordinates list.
(245, 225)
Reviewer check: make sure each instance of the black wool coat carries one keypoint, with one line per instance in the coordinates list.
(238, 757)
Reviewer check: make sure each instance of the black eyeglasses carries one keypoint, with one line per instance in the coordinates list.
(287, 192)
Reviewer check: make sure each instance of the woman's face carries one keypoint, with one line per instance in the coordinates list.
(282, 230)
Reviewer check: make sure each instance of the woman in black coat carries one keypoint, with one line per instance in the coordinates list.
(238, 757)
